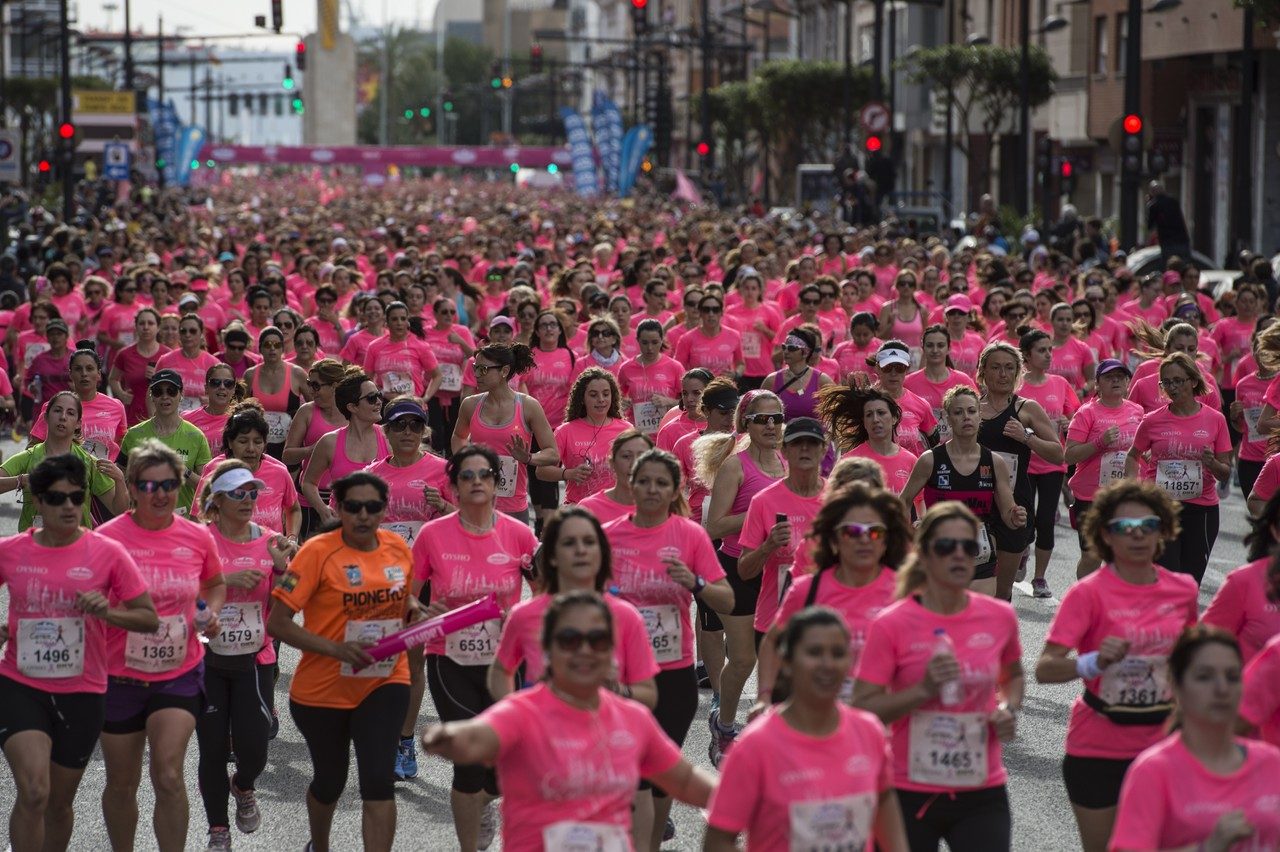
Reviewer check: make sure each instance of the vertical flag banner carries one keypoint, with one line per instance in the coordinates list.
(165, 125)
(634, 146)
(584, 163)
(606, 122)
(190, 139)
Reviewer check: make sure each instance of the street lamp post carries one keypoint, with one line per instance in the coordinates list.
(1022, 188)
(1244, 136)
(68, 153)
(1131, 173)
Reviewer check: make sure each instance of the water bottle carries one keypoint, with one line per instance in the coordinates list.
(949, 691)
(203, 617)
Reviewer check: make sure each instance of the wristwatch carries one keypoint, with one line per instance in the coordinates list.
(699, 584)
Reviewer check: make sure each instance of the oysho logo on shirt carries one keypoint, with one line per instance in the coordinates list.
(183, 553)
(859, 764)
(80, 573)
(981, 640)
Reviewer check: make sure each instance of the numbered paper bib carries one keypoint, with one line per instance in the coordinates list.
(397, 383)
(1181, 479)
(1012, 461)
(475, 645)
(585, 837)
(277, 426)
(647, 417)
(948, 749)
(407, 530)
(367, 633)
(188, 403)
(750, 344)
(162, 651)
(450, 377)
(243, 630)
(127, 338)
(506, 485)
(665, 631)
(1251, 418)
(1136, 682)
(1111, 467)
(51, 647)
(944, 428)
(843, 823)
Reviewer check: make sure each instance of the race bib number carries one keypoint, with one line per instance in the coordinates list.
(127, 338)
(277, 426)
(188, 403)
(1251, 418)
(1111, 467)
(162, 651)
(243, 630)
(1181, 479)
(944, 428)
(1012, 461)
(450, 377)
(394, 383)
(585, 837)
(475, 645)
(750, 344)
(948, 749)
(1136, 682)
(506, 486)
(985, 550)
(665, 632)
(647, 417)
(51, 647)
(368, 633)
(407, 530)
(843, 823)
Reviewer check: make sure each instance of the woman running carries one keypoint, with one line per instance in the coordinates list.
(864, 422)
(1070, 357)
(191, 361)
(758, 322)
(687, 417)
(523, 737)
(400, 362)
(949, 700)
(650, 382)
(1245, 408)
(605, 349)
(164, 393)
(932, 381)
(220, 391)
(156, 685)
(353, 447)
(244, 439)
(453, 346)
(890, 365)
(615, 502)
(103, 420)
(1247, 604)
(797, 384)
(593, 419)
(1122, 622)
(1260, 705)
(278, 385)
(54, 671)
(418, 485)
(313, 421)
(711, 346)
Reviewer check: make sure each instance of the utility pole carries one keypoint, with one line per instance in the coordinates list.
(1130, 177)
(194, 89)
(1244, 176)
(877, 54)
(508, 94)
(68, 145)
(709, 161)
(208, 101)
(159, 81)
(949, 134)
(1021, 196)
(128, 49)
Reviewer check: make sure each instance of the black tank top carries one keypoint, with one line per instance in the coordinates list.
(976, 489)
(1017, 455)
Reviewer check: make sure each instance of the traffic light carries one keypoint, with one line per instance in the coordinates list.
(640, 16)
(446, 100)
(703, 149)
(66, 131)
(873, 144)
(495, 75)
(424, 112)
(44, 167)
(408, 113)
(508, 82)
(535, 59)
(1132, 143)
(297, 105)
(1067, 176)
(552, 168)
(287, 83)
(300, 56)
(277, 15)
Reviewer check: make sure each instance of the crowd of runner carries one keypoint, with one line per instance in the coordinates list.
(677, 448)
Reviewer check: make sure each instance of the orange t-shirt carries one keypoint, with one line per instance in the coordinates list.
(347, 595)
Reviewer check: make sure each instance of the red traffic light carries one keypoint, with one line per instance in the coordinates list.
(44, 166)
(1066, 169)
(874, 144)
(1132, 124)
(640, 4)
(703, 149)
(300, 48)
(66, 130)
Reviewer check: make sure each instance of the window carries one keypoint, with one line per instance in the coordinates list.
(233, 106)
(1101, 50)
(1122, 41)
(279, 104)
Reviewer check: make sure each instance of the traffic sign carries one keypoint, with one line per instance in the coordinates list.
(874, 117)
(9, 158)
(116, 161)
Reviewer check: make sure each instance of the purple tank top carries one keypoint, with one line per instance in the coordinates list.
(754, 480)
(798, 403)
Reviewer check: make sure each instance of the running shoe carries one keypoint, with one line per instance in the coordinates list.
(1040, 588)
(275, 725)
(669, 830)
(488, 825)
(406, 760)
(219, 840)
(248, 816)
(715, 702)
(721, 739)
(700, 672)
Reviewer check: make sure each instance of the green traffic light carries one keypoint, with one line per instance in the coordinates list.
(448, 106)
(408, 113)
(496, 82)
(287, 82)
(425, 112)
(552, 168)
(210, 163)
(515, 167)
(160, 163)
(195, 164)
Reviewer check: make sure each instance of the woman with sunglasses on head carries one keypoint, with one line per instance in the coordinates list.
(54, 672)
(522, 737)
(1203, 787)
(738, 467)
(950, 699)
(221, 391)
(1185, 449)
(618, 501)
(780, 784)
(278, 385)
(156, 687)
(593, 419)
(797, 384)
(903, 318)
(650, 382)
(102, 426)
(352, 586)
(306, 348)
(463, 557)
(453, 345)
(164, 394)
(936, 376)
(350, 448)
(191, 361)
(239, 673)
(1122, 621)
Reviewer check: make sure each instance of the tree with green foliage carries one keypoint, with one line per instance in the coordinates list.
(1266, 13)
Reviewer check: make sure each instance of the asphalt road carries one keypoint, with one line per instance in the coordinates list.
(1041, 816)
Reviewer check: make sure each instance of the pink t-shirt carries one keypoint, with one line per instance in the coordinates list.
(695, 489)
(1243, 608)
(212, 425)
(1234, 339)
(275, 500)
(1069, 361)
(900, 644)
(858, 606)
(53, 646)
(719, 354)
(192, 371)
(1251, 391)
(578, 441)
(522, 641)
(560, 765)
(675, 425)
(244, 615)
(1060, 402)
(639, 382)
(357, 346)
(789, 793)
(965, 352)
(897, 467)
(1146, 392)
(407, 509)
(641, 578)
(918, 420)
(1176, 444)
(1149, 616)
(549, 382)
(1268, 479)
(400, 367)
(852, 358)
(757, 345)
(773, 500)
(1260, 704)
(932, 392)
(1171, 800)
(462, 567)
(450, 356)
(102, 426)
(1087, 426)
(605, 508)
(175, 563)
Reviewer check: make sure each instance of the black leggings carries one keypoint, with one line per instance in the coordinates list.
(1046, 492)
(677, 705)
(970, 821)
(442, 418)
(373, 726)
(1248, 471)
(236, 706)
(461, 693)
(1189, 552)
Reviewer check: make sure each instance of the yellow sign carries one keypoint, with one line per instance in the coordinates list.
(118, 103)
(328, 10)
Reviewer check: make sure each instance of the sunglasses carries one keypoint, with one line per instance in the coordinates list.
(447, 313)
(166, 390)
(240, 494)
(406, 424)
(373, 398)
(791, 347)
(265, 345)
(188, 331)
(571, 640)
(354, 507)
(603, 334)
(691, 305)
(228, 384)
(284, 325)
(484, 474)
(947, 546)
(811, 301)
(151, 486)
(1129, 526)
(870, 532)
(59, 498)
(765, 419)
(712, 309)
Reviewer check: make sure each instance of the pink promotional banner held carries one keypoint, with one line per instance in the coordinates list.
(423, 632)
